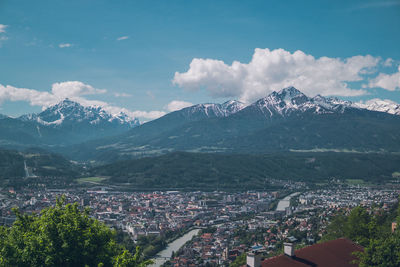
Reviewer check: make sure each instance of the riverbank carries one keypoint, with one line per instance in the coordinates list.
(285, 202)
(174, 246)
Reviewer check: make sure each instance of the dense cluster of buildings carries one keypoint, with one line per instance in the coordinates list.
(304, 222)
(231, 223)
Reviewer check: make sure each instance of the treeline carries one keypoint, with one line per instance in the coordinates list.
(244, 171)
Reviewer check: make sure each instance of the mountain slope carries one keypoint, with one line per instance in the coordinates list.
(283, 121)
(386, 106)
(42, 164)
(69, 112)
(66, 123)
(210, 171)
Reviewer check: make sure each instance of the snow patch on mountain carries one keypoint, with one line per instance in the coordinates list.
(380, 105)
(68, 111)
(216, 110)
(290, 100)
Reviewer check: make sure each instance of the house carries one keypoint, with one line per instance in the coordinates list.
(333, 253)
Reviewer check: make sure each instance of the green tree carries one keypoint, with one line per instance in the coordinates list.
(62, 235)
(336, 228)
(383, 252)
(358, 227)
(239, 261)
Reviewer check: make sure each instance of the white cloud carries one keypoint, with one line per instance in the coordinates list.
(3, 28)
(151, 115)
(389, 82)
(122, 38)
(271, 70)
(73, 90)
(122, 95)
(388, 62)
(177, 105)
(59, 91)
(65, 45)
(35, 98)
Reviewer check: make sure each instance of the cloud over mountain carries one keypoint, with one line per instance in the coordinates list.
(272, 69)
(177, 105)
(389, 82)
(74, 90)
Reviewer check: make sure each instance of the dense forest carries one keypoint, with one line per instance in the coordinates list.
(183, 170)
(39, 163)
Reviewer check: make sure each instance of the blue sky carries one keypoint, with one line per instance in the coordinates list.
(143, 55)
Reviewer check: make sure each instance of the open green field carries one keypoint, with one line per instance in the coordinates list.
(94, 179)
(396, 175)
(49, 167)
(355, 181)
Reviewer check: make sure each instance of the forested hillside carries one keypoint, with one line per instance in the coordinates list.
(212, 171)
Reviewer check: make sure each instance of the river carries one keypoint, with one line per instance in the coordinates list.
(165, 254)
(284, 203)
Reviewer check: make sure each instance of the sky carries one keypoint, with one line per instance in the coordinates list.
(147, 58)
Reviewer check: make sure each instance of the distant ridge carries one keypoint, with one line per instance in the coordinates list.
(68, 111)
(65, 123)
(283, 121)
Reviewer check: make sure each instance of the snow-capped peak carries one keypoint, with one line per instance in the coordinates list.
(283, 102)
(289, 100)
(232, 106)
(68, 111)
(215, 110)
(380, 105)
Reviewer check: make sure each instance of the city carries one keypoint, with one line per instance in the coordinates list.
(221, 225)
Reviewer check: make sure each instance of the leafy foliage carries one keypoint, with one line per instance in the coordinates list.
(239, 261)
(382, 252)
(62, 235)
(381, 247)
(358, 226)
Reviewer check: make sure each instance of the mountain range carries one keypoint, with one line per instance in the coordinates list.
(283, 121)
(65, 123)
(287, 120)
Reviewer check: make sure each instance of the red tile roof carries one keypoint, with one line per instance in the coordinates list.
(329, 254)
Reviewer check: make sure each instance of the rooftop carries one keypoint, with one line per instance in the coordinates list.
(329, 254)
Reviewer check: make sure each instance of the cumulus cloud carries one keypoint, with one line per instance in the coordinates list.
(122, 38)
(388, 62)
(65, 45)
(59, 91)
(35, 98)
(177, 105)
(389, 82)
(3, 28)
(271, 70)
(73, 90)
(151, 115)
